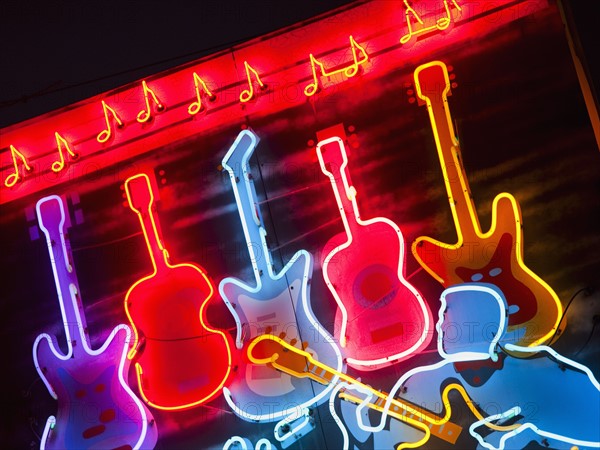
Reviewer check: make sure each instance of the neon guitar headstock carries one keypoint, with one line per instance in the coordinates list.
(279, 354)
(431, 80)
(139, 193)
(332, 156)
(236, 162)
(238, 155)
(53, 222)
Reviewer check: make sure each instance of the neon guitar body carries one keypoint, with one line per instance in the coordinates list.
(181, 361)
(382, 319)
(277, 303)
(277, 308)
(96, 407)
(495, 256)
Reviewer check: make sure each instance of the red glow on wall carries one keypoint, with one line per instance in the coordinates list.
(181, 361)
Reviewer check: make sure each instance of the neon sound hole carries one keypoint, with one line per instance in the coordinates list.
(375, 286)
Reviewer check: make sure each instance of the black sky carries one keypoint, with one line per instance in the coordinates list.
(56, 53)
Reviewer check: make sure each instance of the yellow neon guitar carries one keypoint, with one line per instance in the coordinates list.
(275, 352)
(495, 256)
(286, 357)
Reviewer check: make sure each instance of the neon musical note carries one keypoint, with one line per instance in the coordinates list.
(348, 71)
(105, 135)
(440, 24)
(281, 355)
(61, 143)
(248, 94)
(12, 179)
(145, 114)
(197, 106)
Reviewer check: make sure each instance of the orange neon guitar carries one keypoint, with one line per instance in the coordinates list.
(181, 361)
(278, 354)
(381, 318)
(495, 256)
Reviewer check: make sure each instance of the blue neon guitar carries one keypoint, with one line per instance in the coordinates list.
(96, 407)
(276, 303)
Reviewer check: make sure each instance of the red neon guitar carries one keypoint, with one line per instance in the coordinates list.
(96, 407)
(181, 361)
(495, 256)
(382, 319)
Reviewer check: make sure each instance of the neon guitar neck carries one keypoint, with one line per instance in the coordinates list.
(141, 201)
(52, 220)
(434, 87)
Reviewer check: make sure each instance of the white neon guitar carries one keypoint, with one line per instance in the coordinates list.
(275, 303)
(96, 407)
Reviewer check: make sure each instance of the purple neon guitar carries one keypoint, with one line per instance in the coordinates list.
(96, 407)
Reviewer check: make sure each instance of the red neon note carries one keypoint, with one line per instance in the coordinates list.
(495, 256)
(382, 319)
(181, 361)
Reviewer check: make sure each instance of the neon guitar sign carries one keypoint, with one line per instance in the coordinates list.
(96, 407)
(275, 303)
(534, 307)
(382, 319)
(181, 361)
(278, 354)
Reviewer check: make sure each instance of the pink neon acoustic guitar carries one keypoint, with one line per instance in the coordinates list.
(495, 256)
(382, 319)
(96, 407)
(181, 361)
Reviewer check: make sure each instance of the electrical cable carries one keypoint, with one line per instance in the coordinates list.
(588, 291)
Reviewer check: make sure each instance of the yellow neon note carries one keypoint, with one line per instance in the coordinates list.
(62, 144)
(495, 256)
(12, 179)
(106, 134)
(359, 57)
(146, 114)
(199, 86)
